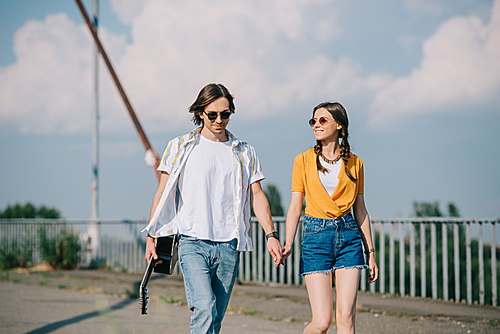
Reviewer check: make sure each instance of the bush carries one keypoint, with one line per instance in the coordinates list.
(61, 251)
(8, 260)
(20, 255)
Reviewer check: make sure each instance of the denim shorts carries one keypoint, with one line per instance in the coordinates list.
(329, 244)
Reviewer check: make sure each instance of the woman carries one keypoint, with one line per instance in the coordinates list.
(331, 178)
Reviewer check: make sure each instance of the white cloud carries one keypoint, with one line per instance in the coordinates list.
(460, 69)
(48, 89)
(249, 46)
(266, 52)
(34, 91)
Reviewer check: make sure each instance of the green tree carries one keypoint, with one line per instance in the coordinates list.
(426, 209)
(28, 210)
(274, 198)
(48, 213)
(453, 210)
(431, 209)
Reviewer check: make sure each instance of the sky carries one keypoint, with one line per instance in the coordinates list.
(420, 80)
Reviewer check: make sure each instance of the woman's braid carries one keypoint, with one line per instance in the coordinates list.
(345, 150)
(318, 149)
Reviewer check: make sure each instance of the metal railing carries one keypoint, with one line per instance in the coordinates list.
(428, 257)
(440, 258)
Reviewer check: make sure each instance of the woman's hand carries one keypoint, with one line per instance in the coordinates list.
(373, 268)
(287, 250)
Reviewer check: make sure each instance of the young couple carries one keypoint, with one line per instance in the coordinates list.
(208, 180)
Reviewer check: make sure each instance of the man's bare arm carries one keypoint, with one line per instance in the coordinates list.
(263, 213)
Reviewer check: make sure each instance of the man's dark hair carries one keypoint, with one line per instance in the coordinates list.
(207, 95)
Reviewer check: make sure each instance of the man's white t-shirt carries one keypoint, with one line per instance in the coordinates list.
(206, 192)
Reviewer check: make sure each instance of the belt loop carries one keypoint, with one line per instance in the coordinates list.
(342, 219)
(323, 223)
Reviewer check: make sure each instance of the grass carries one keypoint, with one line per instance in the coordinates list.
(46, 274)
(132, 295)
(4, 276)
(172, 300)
(493, 323)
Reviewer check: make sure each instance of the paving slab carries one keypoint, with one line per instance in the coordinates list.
(79, 301)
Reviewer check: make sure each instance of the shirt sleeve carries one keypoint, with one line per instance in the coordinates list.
(298, 174)
(167, 159)
(256, 173)
(361, 179)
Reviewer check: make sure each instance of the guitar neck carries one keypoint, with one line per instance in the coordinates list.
(143, 290)
(147, 273)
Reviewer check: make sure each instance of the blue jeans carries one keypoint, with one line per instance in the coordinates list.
(209, 270)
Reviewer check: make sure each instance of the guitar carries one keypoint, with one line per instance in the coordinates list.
(166, 249)
(143, 291)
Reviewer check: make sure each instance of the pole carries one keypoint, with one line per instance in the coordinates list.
(93, 228)
(95, 141)
(135, 120)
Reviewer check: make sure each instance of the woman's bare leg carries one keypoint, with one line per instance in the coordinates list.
(319, 289)
(346, 287)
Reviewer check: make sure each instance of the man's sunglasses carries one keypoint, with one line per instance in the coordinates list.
(322, 121)
(213, 115)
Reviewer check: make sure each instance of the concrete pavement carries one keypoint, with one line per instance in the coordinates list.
(106, 302)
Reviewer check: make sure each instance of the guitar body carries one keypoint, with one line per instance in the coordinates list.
(166, 249)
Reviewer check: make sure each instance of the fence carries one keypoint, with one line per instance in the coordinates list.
(460, 268)
(428, 257)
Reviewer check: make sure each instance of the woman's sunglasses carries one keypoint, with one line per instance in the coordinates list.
(322, 121)
(213, 115)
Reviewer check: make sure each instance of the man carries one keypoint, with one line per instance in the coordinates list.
(208, 179)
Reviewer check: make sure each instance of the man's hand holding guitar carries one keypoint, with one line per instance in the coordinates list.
(163, 263)
(150, 249)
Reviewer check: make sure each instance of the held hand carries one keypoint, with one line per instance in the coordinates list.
(287, 250)
(150, 249)
(373, 269)
(276, 250)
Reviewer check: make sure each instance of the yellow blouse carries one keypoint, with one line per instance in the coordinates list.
(319, 204)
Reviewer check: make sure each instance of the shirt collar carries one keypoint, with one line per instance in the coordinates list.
(234, 141)
(195, 133)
